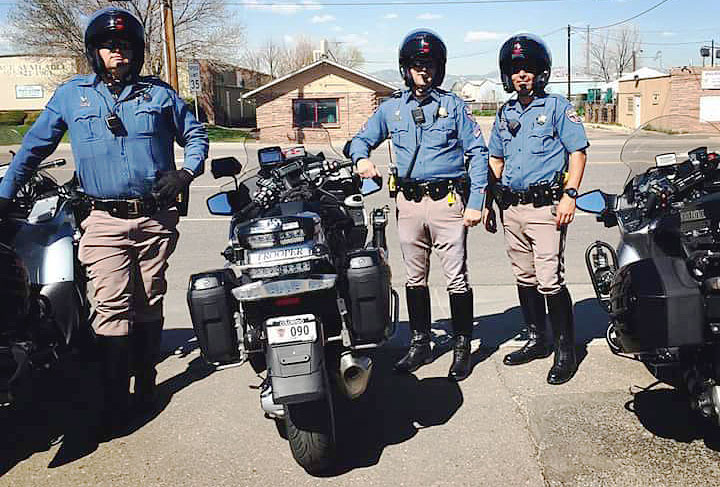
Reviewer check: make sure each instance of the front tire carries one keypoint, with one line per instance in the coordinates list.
(309, 428)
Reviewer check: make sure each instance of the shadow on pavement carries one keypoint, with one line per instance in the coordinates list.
(59, 406)
(494, 330)
(667, 413)
(392, 411)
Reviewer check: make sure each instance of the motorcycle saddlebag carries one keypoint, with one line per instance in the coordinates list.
(368, 276)
(212, 307)
(655, 303)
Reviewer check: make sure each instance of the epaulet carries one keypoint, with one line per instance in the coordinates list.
(155, 81)
(397, 94)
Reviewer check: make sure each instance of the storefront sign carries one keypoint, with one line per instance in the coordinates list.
(28, 91)
(710, 80)
(710, 108)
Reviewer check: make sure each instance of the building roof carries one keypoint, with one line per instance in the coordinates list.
(311, 66)
(643, 73)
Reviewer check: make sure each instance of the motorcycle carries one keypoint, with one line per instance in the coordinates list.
(301, 295)
(45, 311)
(661, 286)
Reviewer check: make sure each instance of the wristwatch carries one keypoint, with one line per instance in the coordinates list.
(571, 192)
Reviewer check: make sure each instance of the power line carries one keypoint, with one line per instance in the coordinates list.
(631, 18)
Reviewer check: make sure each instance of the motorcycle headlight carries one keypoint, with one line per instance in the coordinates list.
(285, 237)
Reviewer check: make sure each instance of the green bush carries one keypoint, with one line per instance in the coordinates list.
(14, 117)
(32, 116)
(484, 113)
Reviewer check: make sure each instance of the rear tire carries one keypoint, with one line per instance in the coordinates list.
(309, 428)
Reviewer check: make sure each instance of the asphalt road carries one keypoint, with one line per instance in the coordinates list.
(502, 426)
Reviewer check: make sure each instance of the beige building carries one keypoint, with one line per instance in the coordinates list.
(687, 91)
(28, 82)
(323, 99)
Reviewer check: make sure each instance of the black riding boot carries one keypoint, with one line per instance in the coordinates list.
(532, 304)
(561, 318)
(418, 303)
(145, 339)
(115, 374)
(461, 309)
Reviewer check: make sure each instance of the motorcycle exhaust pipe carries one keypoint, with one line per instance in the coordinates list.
(354, 374)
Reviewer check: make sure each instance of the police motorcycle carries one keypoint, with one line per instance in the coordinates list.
(661, 284)
(301, 295)
(45, 311)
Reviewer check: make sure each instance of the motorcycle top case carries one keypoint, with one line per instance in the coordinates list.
(368, 277)
(212, 307)
(655, 303)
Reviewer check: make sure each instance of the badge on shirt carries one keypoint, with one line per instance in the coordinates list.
(398, 118)
(541, 119)
(572, 115)
(84, 102)
(442, 112)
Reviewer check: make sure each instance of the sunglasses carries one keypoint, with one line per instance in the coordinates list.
(524, 66)
(421, 64)
(112, 44)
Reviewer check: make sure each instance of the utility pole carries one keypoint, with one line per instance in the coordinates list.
(170, 55)
(587, 52)
(712, 52)
(634, 60)
(569, 69)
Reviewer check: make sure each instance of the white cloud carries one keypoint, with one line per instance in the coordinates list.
(482, 35)
(427, 16)
(669, 34)
(337, 28)
(282, 9)
(390, 16)
(321, 19)
(355, 39)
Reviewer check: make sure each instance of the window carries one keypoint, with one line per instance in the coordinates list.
(313, 113)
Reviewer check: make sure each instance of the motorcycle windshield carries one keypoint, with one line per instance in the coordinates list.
(667, 139)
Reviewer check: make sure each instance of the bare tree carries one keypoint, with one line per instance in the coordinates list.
(614, 52)
(278, 59)
(203, 28)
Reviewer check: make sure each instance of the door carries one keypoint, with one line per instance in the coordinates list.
(638, 114)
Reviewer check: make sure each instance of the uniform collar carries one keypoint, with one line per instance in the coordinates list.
(89, 80)
(408, 95)
(538, 101)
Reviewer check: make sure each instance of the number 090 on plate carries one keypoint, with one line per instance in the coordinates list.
(291, 329)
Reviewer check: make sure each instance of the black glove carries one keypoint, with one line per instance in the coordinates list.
(171, 184)
(4, 207)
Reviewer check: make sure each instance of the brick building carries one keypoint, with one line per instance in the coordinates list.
(693, 92)
(323, 99)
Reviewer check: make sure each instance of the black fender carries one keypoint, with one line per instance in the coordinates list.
(66, 308)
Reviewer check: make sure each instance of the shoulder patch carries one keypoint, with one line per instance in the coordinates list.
(572, 115)
(397, 93)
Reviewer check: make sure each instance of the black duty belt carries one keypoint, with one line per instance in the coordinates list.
(540, 194)
(127, 209)
(437, 189)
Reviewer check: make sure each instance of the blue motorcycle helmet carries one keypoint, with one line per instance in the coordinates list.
(528, 49)
(422, 45)
(114, 23)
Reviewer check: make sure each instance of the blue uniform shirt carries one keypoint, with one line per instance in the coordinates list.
(549, 129)
(110, 166)
(448, 134)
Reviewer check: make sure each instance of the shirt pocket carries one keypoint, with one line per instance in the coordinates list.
(540, 139)
(401, 136)
(440, 133)
(87, 124)
(147, 119)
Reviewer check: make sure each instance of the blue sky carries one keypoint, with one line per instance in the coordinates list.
(474, 32)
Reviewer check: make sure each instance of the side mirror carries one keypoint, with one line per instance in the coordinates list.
(594, 201)
(225, 166)
(219, 204)
(371, 186)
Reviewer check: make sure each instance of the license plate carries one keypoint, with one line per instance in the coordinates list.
(291, 329)
(270, 255)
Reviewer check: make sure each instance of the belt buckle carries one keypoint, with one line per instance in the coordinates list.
(133, 208)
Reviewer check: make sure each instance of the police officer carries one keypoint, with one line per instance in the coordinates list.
(439, 194)
(537, 155)
(122, 129)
